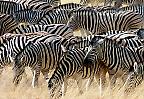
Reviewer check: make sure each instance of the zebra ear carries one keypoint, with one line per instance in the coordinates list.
(63, 49)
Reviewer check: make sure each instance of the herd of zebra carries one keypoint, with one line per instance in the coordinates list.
(40, 34)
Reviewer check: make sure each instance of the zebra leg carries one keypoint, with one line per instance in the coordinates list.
(1, 71)
(112, 80)
(102, 82)
(78, 79)
(103, 72)
(16, 80)
(36, 74)
(89, 82)
(45, 74)
(79, 83)
(64, 87)
(25, 76)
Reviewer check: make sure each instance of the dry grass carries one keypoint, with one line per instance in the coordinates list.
(25, 91)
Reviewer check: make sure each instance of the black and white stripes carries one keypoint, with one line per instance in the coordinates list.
(97, 22)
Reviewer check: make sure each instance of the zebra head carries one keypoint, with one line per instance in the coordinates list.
(89, 58)
(19, 64)
(18, 68)
(135, 77)
(94, 50)
(53, 87)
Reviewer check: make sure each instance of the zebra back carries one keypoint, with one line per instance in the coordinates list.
(10, 48)
(50, 2)
(58, 16)
(28, 16)
(99, 22)
(138, 8)
(7, 24)
(59, 29)
(80, 42)
(44, 6)
(8, 7)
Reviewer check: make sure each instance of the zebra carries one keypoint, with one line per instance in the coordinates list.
(10, 48)
(15, 45)
(7, 7)
(59, 29)
(50, 2)
(118, 3)
(7, 23)
(139, 8)
(55, 16)
(70, 66)
(44, 6)
(99, 22)
(120, 37)
(38, 56)
(29, 2)
(134, 78)
(117, 58)
(81, 42)
(110, 9)
(35, 5)
(28, 16)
